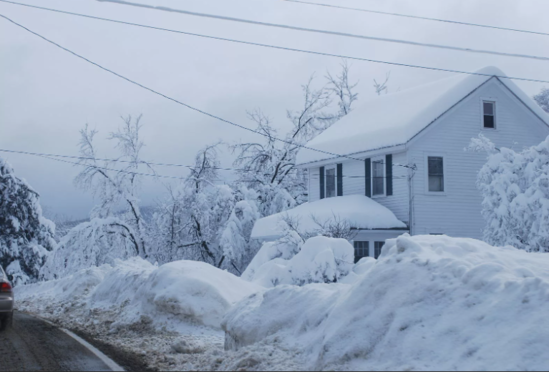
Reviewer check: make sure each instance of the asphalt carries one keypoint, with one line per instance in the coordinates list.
(34, 345)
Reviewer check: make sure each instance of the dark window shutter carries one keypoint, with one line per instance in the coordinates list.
(389, 173)
(321, 182)
(340, 180)
(368, 178)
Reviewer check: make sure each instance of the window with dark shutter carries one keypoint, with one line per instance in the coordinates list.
(330, 182)
(362, 249)
(340, 180)
(389, 173)
(368, 179)
(321, 176)
(377, 249)
(489, 112)
(378, 184)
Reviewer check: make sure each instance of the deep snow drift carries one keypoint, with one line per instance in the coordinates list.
(428, 303)
(180, 292)
(320, 260)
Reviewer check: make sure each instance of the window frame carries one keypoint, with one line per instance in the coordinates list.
(493, 101)
(384, 177)
(326, 168)
(367, 248)
(381, 243)
(444, 174)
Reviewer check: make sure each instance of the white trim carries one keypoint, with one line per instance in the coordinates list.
(376, 160)
(493, 100)
(444, 175)
(362, 155)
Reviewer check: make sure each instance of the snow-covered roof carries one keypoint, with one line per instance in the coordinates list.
(360, 211)
(394, 119)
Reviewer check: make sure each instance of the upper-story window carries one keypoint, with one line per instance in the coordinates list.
(489, 113)
(436, 173)
(378, 177)
(331, 182)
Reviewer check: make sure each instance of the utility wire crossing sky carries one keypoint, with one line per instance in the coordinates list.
(326, 32)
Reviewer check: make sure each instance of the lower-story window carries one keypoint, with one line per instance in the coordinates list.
(362, 249)
(377, 248)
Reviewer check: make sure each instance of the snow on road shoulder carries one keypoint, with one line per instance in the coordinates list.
(169, 314)
(429, 303)
(176, 294)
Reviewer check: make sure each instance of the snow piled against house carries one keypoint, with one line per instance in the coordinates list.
(134, 291)
(428, 303)
(320, 260)
(358, 210)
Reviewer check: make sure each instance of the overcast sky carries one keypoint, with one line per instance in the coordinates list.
(47, 95)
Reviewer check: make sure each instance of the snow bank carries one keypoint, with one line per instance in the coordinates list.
(428, 303)
(358, 210)
(320, 260)
(136, 292)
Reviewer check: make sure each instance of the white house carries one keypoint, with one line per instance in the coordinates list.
(405, 153)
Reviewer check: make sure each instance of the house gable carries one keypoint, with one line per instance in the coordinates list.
(457, 210)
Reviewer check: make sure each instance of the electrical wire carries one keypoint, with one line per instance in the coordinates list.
(325, 32)
(418, 17)
(57, 156)
(277, 47)
(175, 100)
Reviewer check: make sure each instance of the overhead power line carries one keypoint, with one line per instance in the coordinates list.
(275, 46)
(62, 158)
(142, 162)
(173, 99)
(179, 102)
(418, 17)
(324, 32)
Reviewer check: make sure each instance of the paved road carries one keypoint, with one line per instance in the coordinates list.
(34, 345)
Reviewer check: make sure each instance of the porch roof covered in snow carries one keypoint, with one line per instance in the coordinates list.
(395, 119)
(359, 211)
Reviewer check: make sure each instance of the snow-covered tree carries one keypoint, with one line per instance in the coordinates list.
(116, 189)
(116, 229)
(515, 188)
(542, 98)
(235, 239)
(100, 241)
(268, 165)
(26, 236)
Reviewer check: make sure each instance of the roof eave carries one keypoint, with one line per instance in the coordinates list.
(362, 154)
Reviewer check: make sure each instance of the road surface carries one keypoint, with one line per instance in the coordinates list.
(34, 345)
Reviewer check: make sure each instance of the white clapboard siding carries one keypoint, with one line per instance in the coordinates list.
(457, 212)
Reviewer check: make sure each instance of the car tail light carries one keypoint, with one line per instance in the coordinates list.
(5, 287)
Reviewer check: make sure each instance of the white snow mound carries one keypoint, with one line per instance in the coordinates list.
(320, 260)
(428, 303)
(135, 291)
(358, 210)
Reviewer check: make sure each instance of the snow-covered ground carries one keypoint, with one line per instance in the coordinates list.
(170, 313)
(428, 303)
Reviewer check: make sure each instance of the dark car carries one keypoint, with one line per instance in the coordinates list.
(6, 301)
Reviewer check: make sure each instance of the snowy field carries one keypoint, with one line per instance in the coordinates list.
(428, 303)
